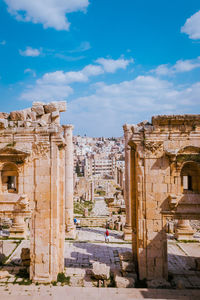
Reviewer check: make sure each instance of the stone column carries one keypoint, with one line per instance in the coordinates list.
(127, 190)
(69, 188)
(183, 230)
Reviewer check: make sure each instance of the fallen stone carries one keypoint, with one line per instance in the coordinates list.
(3, 123)
(4, 274)
(46, 118)
(38, 108)
(50, 107)
(61, 106)
(101, 271)
(55, 114)
(158, 283)
(127, 266)
(126, 256)
(4, 115)
(25, 256)
(17, 115)
(124, 282)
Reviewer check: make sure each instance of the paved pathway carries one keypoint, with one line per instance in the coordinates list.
(100, 207)
(17, 292)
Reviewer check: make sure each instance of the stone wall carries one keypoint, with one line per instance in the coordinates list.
(32, 163)
(156, 157)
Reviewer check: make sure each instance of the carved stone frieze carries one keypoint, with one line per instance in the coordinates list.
(40, 149)
(152, 147)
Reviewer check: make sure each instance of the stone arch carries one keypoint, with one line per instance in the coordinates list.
(190, 177)
(9, 177)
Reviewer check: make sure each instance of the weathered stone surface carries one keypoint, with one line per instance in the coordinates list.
(3, 123)
(55, 114)
(4, 274)
(50, 107)
(61, 106)
(4, 115)
(127, 266)
(19, 115)
(126, 256)
(101, 271)
(158, 283)
(46, 118)
(123, 282)
(38, 108)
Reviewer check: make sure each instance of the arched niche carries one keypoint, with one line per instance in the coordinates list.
(9, 178)
(190, 178)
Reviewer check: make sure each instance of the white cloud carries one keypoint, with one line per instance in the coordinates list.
(179, 67)
(3, 43)
(84, 46)
(30, 52)
(50, 13)
(192, 26)
(46, 92)
(30, 71)
(111, 65)
(110, 106)
(50, 83)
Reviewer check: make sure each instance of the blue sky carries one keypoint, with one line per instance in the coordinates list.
(113, 61)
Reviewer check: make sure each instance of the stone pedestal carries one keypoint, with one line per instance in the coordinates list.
(18, 229)
(183, 230)
(70, 230)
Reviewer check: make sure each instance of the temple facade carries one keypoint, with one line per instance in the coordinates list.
(162, 181)
(36, 181)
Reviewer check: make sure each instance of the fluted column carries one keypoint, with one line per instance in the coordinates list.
(127, 190)
(70, 231)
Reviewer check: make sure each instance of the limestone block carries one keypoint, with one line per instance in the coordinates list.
(127, 266)
(61, 106)
(38, 108)
(3, 123)
(126, 256)
(20, 123)
(46, 118)
(19, 115)
(55, 114)
(124, 282)
(4, 115)
(50, 107)
(4, 274)
(11, 124)
(25, 256)
(101, 271)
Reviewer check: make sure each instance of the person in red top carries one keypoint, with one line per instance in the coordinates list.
(107, 236)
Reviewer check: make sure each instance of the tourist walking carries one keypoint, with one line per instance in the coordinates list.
(107, 237)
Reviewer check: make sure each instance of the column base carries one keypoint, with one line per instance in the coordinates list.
(127, 236)
(70, 233)
(184, 231)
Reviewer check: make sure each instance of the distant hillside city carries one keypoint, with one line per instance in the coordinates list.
(98, 157)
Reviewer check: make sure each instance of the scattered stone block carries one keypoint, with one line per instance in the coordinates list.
(4, 274)
(126, 256)
(3, 123)
(124, 282)
(50, 107)
(25, 257)
(101, 271)
(38, 108)
(127, 266)
(18, 115)
(4, 115)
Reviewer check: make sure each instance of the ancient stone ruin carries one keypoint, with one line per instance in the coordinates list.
(162, 183)
(36, 178)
